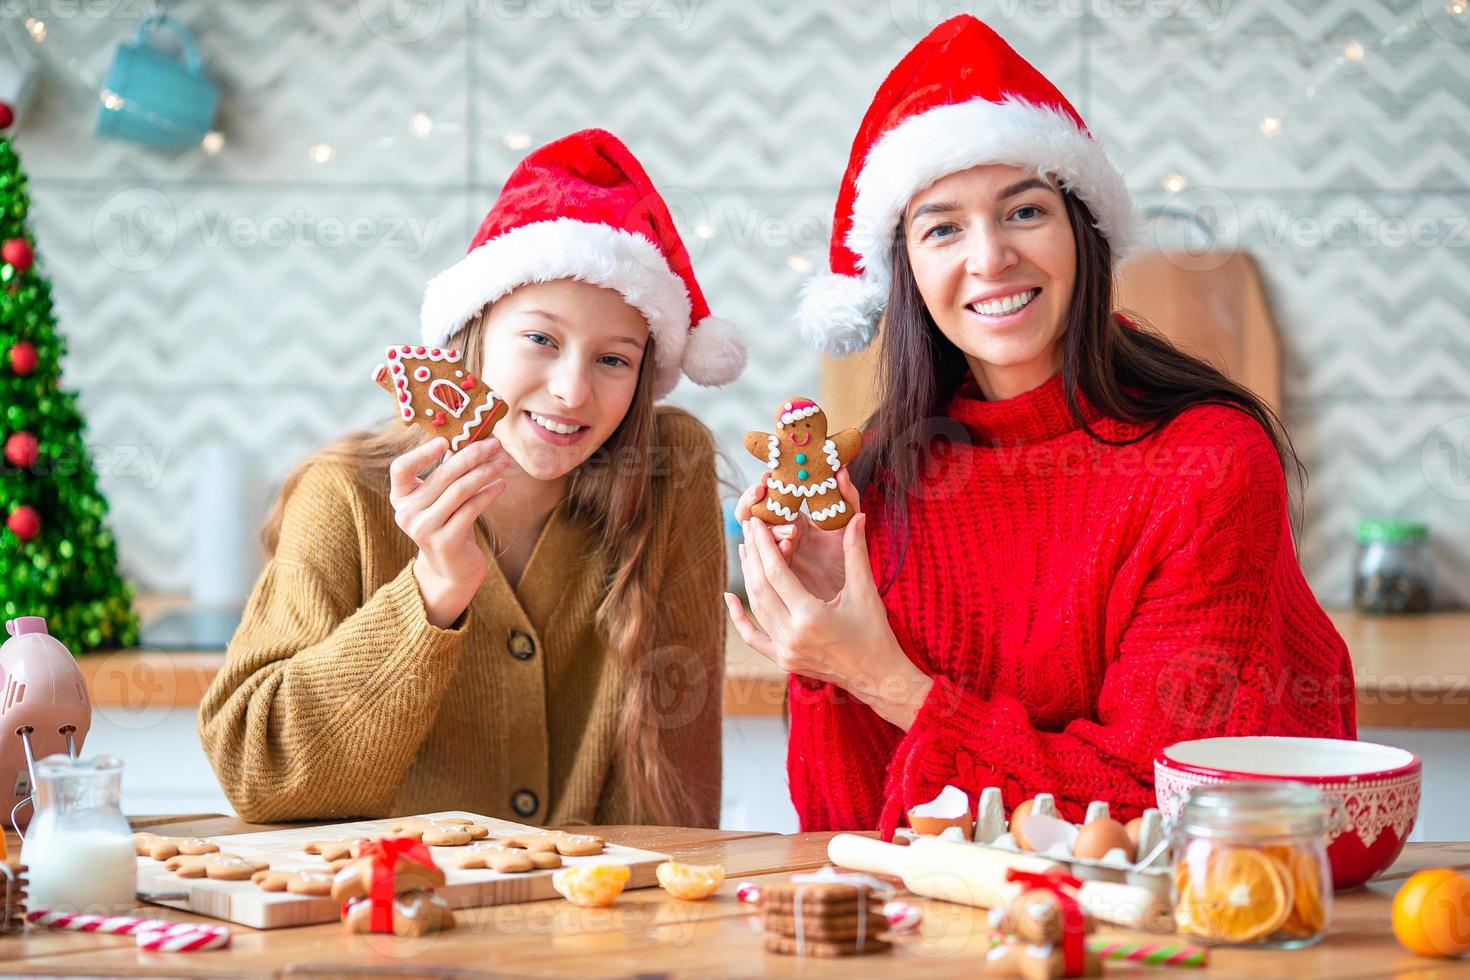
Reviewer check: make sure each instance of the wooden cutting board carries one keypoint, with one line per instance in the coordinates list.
(245, 903)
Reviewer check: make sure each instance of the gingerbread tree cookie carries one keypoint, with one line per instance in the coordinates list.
(804, 461)
(433, 390)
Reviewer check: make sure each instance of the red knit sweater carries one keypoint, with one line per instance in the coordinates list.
(1080, 607)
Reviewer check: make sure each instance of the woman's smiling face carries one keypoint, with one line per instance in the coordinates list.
(565, 356)
(993, 256)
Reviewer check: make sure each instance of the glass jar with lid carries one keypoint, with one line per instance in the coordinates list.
(1250, 864)
(1392, 571)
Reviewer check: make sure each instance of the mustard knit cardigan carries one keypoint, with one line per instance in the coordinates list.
(340, 699)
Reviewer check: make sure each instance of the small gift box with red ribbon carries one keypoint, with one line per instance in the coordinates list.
(392, 888)
(1046, 930)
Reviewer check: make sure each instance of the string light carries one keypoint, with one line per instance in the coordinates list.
(37, 29)
(798, 263)
(1270, 126)
(213, 142)
(1174, 183)
(1353, 52)
(112, 101)
(322, 153)
(704, 231)
(421, 125)
(517, 141)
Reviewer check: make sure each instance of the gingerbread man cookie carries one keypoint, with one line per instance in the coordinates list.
(441, 832)
(508, 860)
(433, 390)
(803, 460)
(308, 881)
(219, 866)
(162, 848)
(568, 845)
(332, 850)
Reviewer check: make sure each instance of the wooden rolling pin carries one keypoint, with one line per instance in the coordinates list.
(969, 874)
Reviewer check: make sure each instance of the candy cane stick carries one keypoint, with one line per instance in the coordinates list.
(183, 937)
(153, 934)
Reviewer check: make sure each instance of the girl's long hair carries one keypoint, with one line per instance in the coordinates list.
(612, 499)
(1132, 375)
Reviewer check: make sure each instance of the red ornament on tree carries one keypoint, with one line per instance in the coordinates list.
(25, 522)
(23, 357)
(7, 115)
(22, 450)
(18, 252)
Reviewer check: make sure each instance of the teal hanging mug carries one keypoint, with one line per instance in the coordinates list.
(151, 97)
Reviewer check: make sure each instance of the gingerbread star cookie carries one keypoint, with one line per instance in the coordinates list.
(434, 391)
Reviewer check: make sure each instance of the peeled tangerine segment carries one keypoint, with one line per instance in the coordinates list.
(591, 885)
(690, 882)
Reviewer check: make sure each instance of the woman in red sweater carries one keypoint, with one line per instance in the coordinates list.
(1075, 546)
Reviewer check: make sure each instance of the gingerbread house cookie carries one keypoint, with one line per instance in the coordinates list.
(433, 390)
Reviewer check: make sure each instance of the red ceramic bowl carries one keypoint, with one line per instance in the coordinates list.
(1372, 790)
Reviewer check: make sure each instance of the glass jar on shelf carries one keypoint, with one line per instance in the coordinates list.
(1392, 571)
(1250, 864)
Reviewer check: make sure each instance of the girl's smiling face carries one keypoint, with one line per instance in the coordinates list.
(565, 356)
(993, 256)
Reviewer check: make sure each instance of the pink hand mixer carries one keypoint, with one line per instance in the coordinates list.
(44, 708)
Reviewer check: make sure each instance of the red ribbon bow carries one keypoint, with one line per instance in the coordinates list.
(385, 852)
(1074, 921)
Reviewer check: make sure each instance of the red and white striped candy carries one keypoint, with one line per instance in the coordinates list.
(154, 934)
(748, 891)
(183, 937)
(902, 917)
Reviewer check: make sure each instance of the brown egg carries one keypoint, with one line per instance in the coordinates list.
(1133, 828)
(1100, 837)
(1018, 817)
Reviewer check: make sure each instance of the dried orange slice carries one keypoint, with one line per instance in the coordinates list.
(591, 885)
(1243, 894)
(690, 882)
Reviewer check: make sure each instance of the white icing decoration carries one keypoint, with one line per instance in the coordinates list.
(830, 448)
(421, 374)
(827, 513)
(774, 455)
(474, 423)
(397, 351)
(464, 402)
(788, 416)
(459, 374)
(780, 510)
(802, 490)
(377, 371)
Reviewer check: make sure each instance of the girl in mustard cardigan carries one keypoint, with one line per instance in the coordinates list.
(528, 628)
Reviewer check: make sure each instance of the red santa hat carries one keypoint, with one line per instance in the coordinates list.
(961, 98)
(582, 208)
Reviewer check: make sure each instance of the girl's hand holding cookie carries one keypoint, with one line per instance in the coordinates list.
(845, 640)
(438, 513)
(813, 554)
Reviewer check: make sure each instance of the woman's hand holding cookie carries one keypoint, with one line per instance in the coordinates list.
(813, 554)
(438, 513)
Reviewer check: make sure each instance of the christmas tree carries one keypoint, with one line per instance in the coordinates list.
(57, 557)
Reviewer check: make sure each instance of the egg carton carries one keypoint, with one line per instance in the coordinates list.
(1145, 865)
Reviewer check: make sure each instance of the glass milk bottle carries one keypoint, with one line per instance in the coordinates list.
(79, 848)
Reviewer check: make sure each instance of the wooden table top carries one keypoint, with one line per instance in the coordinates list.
(648, 933)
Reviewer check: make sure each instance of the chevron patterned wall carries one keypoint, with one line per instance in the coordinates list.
(237, 298)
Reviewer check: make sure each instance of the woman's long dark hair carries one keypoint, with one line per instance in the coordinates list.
(919, 368)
